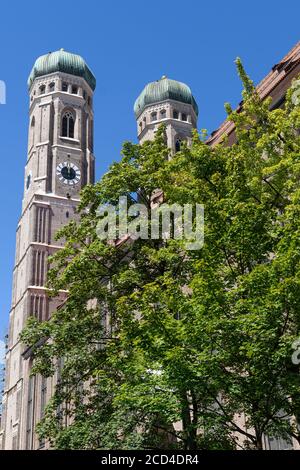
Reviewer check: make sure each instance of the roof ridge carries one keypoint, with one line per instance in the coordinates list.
(263, 88)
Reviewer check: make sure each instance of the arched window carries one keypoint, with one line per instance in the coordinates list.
(52, 87)
(175, 114)
(42, 89)
(177, 145)
(163, 114)
(184, 117)
(64, 86)
(68, 125)
(74, 89)
(145, 121)
(154, 116)
(33, 121)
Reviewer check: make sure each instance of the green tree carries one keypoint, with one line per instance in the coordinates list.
(168, 348)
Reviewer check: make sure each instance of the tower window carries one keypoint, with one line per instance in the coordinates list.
(153, 116)
(64, 86)
(32, 126)
(68, 125)
(184, 117)
(74, 89)
(144, 121)
(89, 100)
(175, 114)
(163, 114)
(52, 87)
(42, 89)
(30, 398)
(28, 181)
(84, 94)
(43, 398)
(177, 145)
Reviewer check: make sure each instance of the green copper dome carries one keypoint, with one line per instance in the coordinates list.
(161, 90)
(62, 61)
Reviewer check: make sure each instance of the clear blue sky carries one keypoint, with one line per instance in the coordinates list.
(127, 44)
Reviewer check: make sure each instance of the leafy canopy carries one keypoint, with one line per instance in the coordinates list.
(168, 348)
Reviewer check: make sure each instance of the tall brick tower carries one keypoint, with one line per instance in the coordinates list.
(60, 162)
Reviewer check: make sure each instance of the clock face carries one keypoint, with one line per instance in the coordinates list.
(68, 173)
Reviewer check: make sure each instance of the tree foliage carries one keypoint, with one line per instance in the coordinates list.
(183, 349)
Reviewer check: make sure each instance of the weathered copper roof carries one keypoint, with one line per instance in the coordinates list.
(62, 61)
(164, 89)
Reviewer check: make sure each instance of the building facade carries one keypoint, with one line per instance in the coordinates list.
(60, 161)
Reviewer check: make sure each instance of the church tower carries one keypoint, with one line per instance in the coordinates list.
(170, 102)
(60, 162)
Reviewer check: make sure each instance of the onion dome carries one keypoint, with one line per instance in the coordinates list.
(62, 61)
(162, 90)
